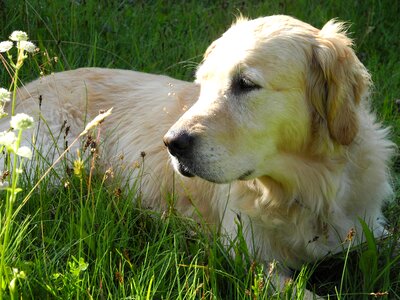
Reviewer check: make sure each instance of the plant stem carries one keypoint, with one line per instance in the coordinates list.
(10, 199)
(15, 86)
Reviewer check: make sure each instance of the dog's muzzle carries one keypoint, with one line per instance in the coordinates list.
(180, 145)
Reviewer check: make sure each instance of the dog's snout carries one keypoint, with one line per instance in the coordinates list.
(179, 143)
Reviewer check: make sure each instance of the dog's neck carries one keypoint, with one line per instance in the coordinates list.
(311, 183)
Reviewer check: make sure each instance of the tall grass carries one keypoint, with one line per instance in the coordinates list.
(92, 240)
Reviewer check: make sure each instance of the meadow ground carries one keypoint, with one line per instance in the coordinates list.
(87, 241)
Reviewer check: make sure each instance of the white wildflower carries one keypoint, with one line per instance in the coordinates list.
(18, 36)
(7, 139)
(25, 151)
(5, 46)
(21, 121)
(27, 46)
(5, 95)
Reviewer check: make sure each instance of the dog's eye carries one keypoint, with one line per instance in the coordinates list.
(242, 84)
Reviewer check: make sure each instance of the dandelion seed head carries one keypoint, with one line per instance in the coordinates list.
(5, 46)
(27, 46)
(18, 36)
(5, 95)
(21, 121)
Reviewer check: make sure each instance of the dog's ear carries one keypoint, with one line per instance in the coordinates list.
(336, 82)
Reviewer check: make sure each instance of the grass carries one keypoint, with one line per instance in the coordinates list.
(75, 241)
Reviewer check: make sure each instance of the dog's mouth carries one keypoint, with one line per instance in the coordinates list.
(187, 171)
(184, 170)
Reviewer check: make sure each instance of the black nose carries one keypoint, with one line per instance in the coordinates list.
(179, 143)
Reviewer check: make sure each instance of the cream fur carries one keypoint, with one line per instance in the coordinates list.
(310, 155)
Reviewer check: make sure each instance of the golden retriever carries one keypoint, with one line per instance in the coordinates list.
(275, 131)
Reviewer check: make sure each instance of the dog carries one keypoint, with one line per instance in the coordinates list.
(276, 131)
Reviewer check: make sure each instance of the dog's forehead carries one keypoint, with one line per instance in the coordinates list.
(249, 43)
(230, 50)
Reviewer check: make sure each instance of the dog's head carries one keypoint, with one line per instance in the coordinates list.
(269, 86)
